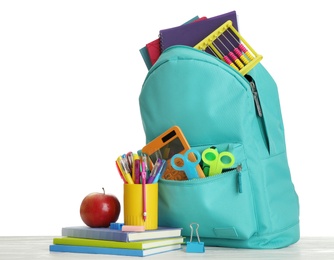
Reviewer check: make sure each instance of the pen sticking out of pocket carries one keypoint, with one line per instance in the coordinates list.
(158, 169)
(154, 171)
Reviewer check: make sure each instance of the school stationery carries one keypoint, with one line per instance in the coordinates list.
(182, 162)
(216, 161)
(140, 194)
(116, 225)
(226, 43)
(160, 171)
(192, 33)
(113, 251)
(118, 167)
(143, 184)
(158, 168)
(118, 235)
(136, 169)
(133, 228)
(143, 244)
(195, 247)
(124, 169)
(140, 205)
(144, 54)
(254, 204)
(152, 50)
(129, 159)
(167, 144)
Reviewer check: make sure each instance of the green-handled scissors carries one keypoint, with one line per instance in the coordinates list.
(217, 161)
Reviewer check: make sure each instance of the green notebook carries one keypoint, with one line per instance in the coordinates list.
(144, 244)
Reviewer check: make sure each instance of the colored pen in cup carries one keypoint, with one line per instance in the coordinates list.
(160, 171)
(125, 170)
(137, 171)
(143, 183)
(120, 172)
(154, 171)
(145, 164)
(125, 163)
(135, 157)
(129, 159)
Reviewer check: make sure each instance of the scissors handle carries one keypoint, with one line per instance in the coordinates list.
(188, 166)
(217, 161)
(226, 159)
(209, 156)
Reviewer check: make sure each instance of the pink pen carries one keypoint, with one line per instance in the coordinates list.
(143, 183)
(137, 171)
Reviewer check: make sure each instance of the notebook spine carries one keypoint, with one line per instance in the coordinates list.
(162, 48)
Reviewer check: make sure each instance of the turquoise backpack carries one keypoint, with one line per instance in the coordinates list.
(254, 205)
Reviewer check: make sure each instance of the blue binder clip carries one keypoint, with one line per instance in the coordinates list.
(195, 247)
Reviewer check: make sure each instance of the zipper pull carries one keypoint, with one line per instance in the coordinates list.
(256, 98)
(255, 95)
(239, 169)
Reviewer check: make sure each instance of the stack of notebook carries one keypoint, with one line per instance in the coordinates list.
(83, 239)
(189, 34)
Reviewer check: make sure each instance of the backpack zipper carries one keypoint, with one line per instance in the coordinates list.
(255, 95)
(258, 109)
(238, 169)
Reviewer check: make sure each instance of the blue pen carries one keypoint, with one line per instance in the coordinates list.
(160, 171)
(154, 170)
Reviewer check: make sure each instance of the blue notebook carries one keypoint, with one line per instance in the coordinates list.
(113, 251)
(118, 235)
(192, 33)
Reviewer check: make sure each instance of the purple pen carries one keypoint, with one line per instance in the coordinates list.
(154, 171)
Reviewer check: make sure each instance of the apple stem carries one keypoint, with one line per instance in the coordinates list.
(103, 191)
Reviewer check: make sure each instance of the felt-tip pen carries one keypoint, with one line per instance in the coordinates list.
(154, 171)
(124, 169)
(160, 171)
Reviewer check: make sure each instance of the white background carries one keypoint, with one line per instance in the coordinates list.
(70, 77)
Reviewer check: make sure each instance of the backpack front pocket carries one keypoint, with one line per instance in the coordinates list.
(222, 204)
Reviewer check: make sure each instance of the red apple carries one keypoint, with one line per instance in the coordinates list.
(99, 209)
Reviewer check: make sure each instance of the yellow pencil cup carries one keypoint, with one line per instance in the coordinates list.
(134, 205)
